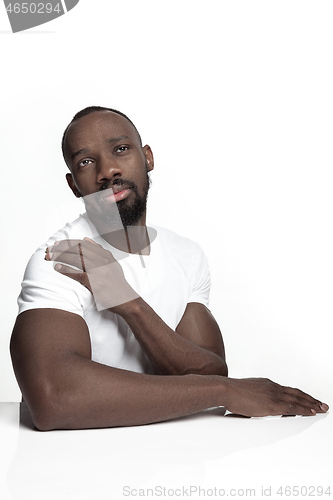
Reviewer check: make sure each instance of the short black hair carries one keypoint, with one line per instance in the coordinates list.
(87, 111)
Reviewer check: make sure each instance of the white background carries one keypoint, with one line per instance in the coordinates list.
(235, 99)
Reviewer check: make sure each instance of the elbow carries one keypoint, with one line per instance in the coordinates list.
(41, 418)
(49, 420)
(216, 366)
(224, 369)
(42, 422)
(219, 367)
(49, 411)
(44, 415)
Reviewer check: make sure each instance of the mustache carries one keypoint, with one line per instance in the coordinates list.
(116, 182)
(96, 198)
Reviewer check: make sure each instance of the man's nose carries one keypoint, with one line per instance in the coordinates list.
(107, 169)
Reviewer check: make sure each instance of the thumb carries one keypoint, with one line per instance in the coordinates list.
(74, 274)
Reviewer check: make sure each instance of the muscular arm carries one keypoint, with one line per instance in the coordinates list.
(195, 347)
(64, 389)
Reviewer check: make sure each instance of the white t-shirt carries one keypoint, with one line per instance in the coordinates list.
(173, 274)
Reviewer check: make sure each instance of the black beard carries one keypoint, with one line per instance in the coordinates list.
(129, 213)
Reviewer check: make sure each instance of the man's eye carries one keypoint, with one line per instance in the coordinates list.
(83, 163)
(121, 149)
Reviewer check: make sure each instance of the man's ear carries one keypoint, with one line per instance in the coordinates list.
(149, 157)
(72, 185)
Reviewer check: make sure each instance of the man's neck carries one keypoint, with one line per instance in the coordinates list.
(131, 239)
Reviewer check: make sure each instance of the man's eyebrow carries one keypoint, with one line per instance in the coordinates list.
(84, 150)
(117, 139)
(109, 141)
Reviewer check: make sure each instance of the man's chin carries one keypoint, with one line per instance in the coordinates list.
(117, 216)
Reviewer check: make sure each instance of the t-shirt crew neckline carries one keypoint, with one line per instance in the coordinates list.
(120, 254)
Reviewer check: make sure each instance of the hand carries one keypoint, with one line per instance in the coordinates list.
(97, 270)
(260, 397)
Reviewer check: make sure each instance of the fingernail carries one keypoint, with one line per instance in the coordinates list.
(313, 411)
(58, 267)
(324, 406)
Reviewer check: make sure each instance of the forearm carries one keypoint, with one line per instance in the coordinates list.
(169, 353)
(94, 395)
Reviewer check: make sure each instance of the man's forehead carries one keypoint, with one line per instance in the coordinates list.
(98, 126)
(99, 122)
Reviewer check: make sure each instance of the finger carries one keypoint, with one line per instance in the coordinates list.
(297, 409)
(81, 258)
(306, 399)
(91, 241)
(81, 255)
(298, 392)
(74, 274)
(96, 253)
(59, 247)
(64, 245)
(294, 400)
(89, 250)
(68, 246)
(73, 259)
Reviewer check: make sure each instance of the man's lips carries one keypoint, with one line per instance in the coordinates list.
(116, 193)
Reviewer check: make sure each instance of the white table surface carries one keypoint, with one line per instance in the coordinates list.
(210, 450)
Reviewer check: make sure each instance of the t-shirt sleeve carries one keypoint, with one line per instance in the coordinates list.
(200, 278)
(43, 287)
